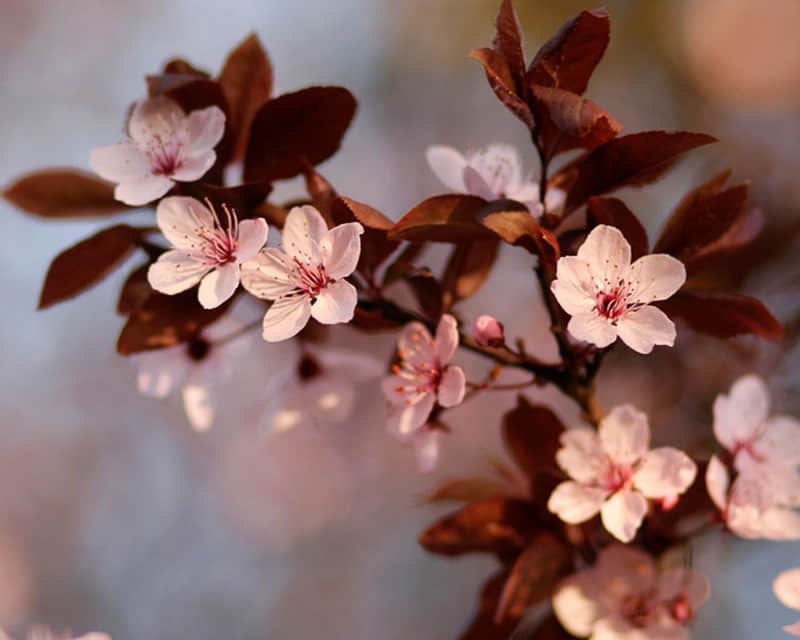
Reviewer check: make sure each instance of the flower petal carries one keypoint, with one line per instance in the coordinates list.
(787, 588)
(143, 190)
(608, 254)
(405, 419)
(581, 456)
(499, 166)
(303, 231)
(717, 483)
(526, 192)
(574, 502)
(119, 162)
(646, 327)
(415, 344)
(554, 200)
(792, 629)
(426, 448)
(202, 130)
(446, 341)
(252, 236)
(336, 303)
(739, 415)
(175, 271)
(477, 186)
(625, 434)
(574, 285)
(285, 318)
(677, 581)
(448, 165)
(156, 118)
(622, 514)
(664, 472)
(182, 220)
(198, 404)
(340, 249)
(591, 327)
(194, 167)
(779, 441)
(452, 387)
(654, 277)
(218, 286)
(267, 275)
(575, 609)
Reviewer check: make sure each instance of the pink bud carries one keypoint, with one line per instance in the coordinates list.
(488, 332)
(669, 502)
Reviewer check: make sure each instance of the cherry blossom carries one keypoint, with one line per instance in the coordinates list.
(488, 331)
(164, 145)
(491, 172)
(44, 633)
(306, 278)
(626, 597)
(608, 297)
(423, 376)
(206, 251)
(787, 589)
(614, 472)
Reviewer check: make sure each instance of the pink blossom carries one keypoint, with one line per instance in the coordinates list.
(626, 597)
(491, 172)
(608, 297)
(164, 145)
(423, 376)
(787, 589)
(306, 279)
(614, 472)
(206, 251)
(488, 331)
(44, 633)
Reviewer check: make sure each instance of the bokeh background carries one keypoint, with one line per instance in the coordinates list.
(115, 516)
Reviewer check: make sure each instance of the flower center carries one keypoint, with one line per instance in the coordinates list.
(165, 155)
(220, 243)
(615, 477)
(612, 304)
(681, 610)
(638, 610)
(422, 372)
(311, 279)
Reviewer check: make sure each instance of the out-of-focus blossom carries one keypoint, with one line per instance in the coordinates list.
(306, 279)
(44, 633)
(164, 145)
(614, 472)
(608, 297)
(488, 331)
(787, 589)
(491, 172)
(205, 250)
(625, 597)
(423, 376)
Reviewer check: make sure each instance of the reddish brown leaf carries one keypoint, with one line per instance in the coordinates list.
(322, 194)
(403, 263)
(502, 83)
(614, 212)
(82, 266)
(449, 218)
(468, 268)
(372, 319)
(483, 626)
(165, 321)
(723, 315)
(508, 43)
(567, 60)
(427, 291)
(531, 433)
(295, 129)
(181, 66)
(468, 490)
(274, 214)
(533, 576)
(246, 80)
(63, 193)
(514, 223)
(135, 290)
(635, 159)
(245, 199)
(496, 525)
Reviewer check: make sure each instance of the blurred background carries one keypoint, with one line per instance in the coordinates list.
(115, 516)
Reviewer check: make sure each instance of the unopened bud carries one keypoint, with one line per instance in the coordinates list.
(488, 332)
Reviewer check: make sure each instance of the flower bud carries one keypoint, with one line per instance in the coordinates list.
(488, 332)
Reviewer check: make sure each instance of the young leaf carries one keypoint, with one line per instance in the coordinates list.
(514, 223)
(468, 268)
(295, 129)
(82, 266)
(244, 198)
(471, 489)
(63, 193)
(448, 218)
(502, 83)
(483, 625)
(614, 212)
(181, 66)
(427, 291)
(531, 434)
(135, 290)
(508, 43)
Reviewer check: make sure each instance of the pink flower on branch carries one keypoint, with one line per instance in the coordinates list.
(164, 145)
(608, 297)
(787, 589)
(206, 250)
(614, 472)
(307, 278)
(489, 332)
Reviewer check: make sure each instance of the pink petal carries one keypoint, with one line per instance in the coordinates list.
(142, 191)
(581, 455)
(446, 341)
(779, 524)
(608, 254)
(655, 277)
(792, 629)
(787, 588)
(303, 231)
(174, 271)
(448, 165)
(499, 166)
(574, 285)
(202, 130)
(336, 303)
(780, 441)
(664, 472)
(393, 388)
(252, 236)
(405, 419)
(739, 415)
(218, 286)
(574, 607)
(119, 162)
(592, 328)
(194, 167)
(415, 343)
(717, 483)
(286, 317)
(452, 387)
(681, 581)
(477, 186)
(527, 192)
(622, 514)
(157, 117)
(625, 434)
(340, 249)
(554, 200)
(267, 275)
(426, 448)
(198, 403)
(646, 327)
(182, 220)
(574, 502)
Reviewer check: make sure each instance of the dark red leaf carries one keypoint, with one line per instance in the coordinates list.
(274, 214)
(403, 263)
(508, 43)
(321, 192)
(468, 490)
(614, 212)
(372, 319)
(295, 129)
(135, 290)
(514, 223)
(468, 268)
(567, 60)
(180, 66)
(449, 218)
(244, 198)
(483, 625)
(246, 80)
(502, 83)
(82, 266)
(427, 291)
(63, 193)
(531, 433)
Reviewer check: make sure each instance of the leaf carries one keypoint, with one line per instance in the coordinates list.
(164, 321)
(723, 315)
(482, 625)
(295, 128)
(514, 223)
(181, 66)
(471, 489)
(63, 193)
(448, 218)
(495, 524)
(614, 212)
(135, 290)
(468, 268)
(246, 80)
(533, 576)
(502, 83)
(372, 319)
(82, 266)
(634, 159)
(567, 60)
(245, 198)
(322, 193)
(508, 43)
(376, 246)
(403, 263)
(274, 214)
(531, 434)
(427, 291)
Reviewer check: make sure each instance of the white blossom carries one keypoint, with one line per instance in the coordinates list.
(608, 297)
(205, 250)
(787, 589)
(306, 278)
(164, 145)
(614, 472)
(491, 172)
